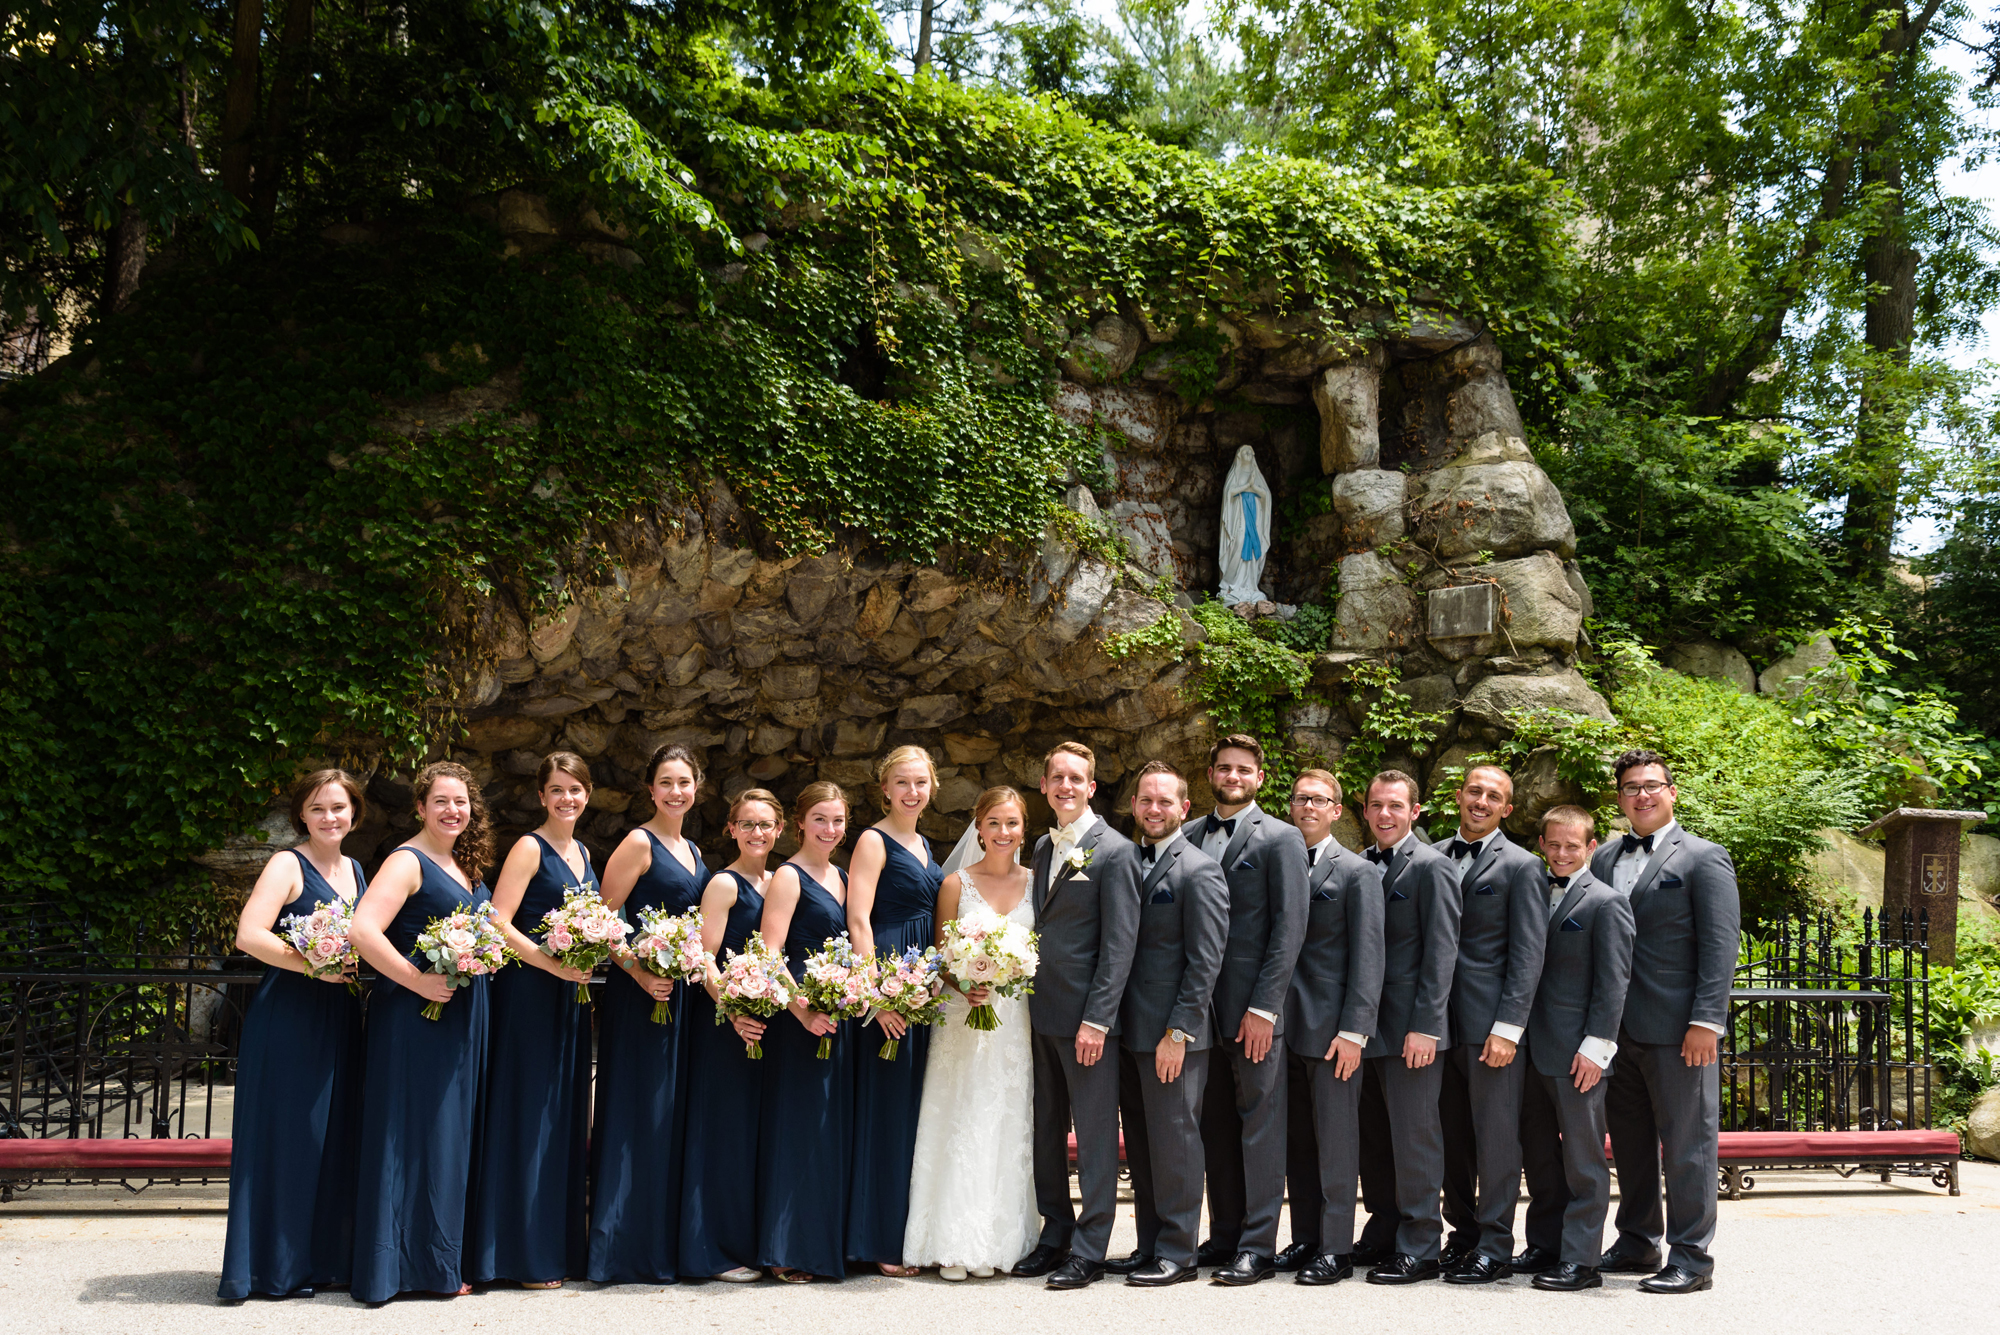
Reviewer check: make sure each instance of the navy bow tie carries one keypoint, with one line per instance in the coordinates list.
(1226, 824)
(1459, 848)
(1632, 841)
(1378, 856)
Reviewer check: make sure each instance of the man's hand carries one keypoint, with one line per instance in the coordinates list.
(1089, 1045)
(1498, 1051)
(1255, 1036)
(1168, 1058)
(1418, 1051)
(1698, 1048)
(1586, 1072)
(1345, 1056)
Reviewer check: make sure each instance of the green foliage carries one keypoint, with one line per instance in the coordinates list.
(1242, 675)
(1160, 637)
(1958, 619)
(1393, 723)
(1308, 631)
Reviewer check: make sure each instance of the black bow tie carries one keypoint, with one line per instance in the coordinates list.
(1147, 853)
(1632, 841)
(1378, 856)
(1312, 857)
(1459, 848)
(1226, 824)
(1559, 882)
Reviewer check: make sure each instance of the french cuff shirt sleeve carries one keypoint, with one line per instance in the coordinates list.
(1100, 1028)
(1265, 1016)
(1510, 1032)
(1597, 1051)
(1703, 1024)
(1358, 1040)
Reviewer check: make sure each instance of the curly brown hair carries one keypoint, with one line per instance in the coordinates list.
(474, 848)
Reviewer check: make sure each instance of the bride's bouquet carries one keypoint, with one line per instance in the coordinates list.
(909, 985)
(983, 949)
(321, 938)
(839, 983)
(754, 984)
(669, 947)
(463, 946)
(582, 934)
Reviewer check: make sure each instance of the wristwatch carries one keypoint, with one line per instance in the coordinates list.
(1177, 1035)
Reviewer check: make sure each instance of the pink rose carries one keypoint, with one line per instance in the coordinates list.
(465, 963)
(982, 968)
(458, 940)
(754, 986)
(560, 938)
(892, 987)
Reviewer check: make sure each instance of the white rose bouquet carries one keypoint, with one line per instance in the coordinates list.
(983, 949)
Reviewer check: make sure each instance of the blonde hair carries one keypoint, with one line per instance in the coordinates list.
(1088, 756)
(1319, 776)
(815, 793)
(903, 755)
(764, 795)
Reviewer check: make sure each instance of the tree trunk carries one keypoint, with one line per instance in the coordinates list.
(925, 14)
(294, 57)
(239, 107)
(1889, 324)
(124, 259)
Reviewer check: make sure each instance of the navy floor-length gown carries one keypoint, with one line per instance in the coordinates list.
(805, 1146)
(419, 1114)
(889, 1094)
(724, 1100)
(298, 1100)
(529, 1201)
(642, 1079)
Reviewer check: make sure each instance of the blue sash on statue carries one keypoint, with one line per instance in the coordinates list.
(1252, 549)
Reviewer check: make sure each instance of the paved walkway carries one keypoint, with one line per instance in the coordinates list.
(1804, 1254)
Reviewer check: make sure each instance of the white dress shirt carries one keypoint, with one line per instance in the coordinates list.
(1625, 879)
(1313, 857)
(1215, 843)
(1501, 1029)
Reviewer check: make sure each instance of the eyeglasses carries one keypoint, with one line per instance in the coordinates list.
(1313, 800)
(756, 826)
(1643, 789)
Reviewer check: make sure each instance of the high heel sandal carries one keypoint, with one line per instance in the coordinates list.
(898, 1271)
(790, 1275)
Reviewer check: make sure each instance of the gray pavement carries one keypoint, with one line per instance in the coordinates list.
(1804, 1254)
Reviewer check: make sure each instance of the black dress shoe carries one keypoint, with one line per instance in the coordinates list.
(1676, 1279)
(1040, 1261)
(1568, 1277)
(1535, 1260)
(1402, 1268)
(1246, 1268)
(1076, 1273)
(1213, 1253)
(1324, 1269)
(1623, 1260)
(1367, 1257)
(1454, 1255)
(1127, 1265)
(1295, 1256)
(1477, 1269)
(1157, 1274)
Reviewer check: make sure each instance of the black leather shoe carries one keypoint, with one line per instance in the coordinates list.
(1535, 1260)
(1296, 1256)
(1367, 1257)
(1623, 1260)
(1568, 1277)
(1040, 1261)
(1158, 1274)
(1324, 1269)
(1127, 1265)
(1076, 1273)
(1247, 1268)
(1402, 1268)
(1477, 1269)
(1676, 1279)
(1213, 1253)
(1454, 1255)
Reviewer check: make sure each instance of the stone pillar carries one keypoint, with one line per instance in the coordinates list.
(1922, 870)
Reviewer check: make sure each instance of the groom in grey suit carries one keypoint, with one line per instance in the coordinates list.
(1167, 1027)
(1665, 1093)
(1086, 889)
(1243, 1115)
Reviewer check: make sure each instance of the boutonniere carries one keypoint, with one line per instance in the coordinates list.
(1078, 859)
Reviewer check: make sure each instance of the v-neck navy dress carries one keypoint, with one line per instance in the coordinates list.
(724, 1100)
(298, 1100)
(642, 1081)
(420, 1113)
(888, 1095)
(529, 1203)
(805, 1147)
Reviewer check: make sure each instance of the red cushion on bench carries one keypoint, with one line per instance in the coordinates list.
(192, 1157)
(1916, 1144)
(1121, 1146)
(1761, 1144)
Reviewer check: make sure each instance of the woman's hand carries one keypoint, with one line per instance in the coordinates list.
(818, 1025)
(894, 1025)
(564, 972)
(654, 986)
(748, 1028)
(431, 987)
(980, 996)
(351, 974)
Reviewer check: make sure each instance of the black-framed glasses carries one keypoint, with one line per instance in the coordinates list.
(1314, 800)
(1643, 789)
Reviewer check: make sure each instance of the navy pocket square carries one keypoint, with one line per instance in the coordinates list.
(1322, 894)
(1395, 895)
(1485, 890)
(1571, 925)
(1246, 865)
(1162, 897)
(1670, 882)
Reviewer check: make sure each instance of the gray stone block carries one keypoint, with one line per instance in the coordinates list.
(1349, 398)
(1369, 502)
(1705, 657)
(1468, 611)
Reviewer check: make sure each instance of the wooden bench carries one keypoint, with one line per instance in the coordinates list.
(1846, 1152)
(24, 1162)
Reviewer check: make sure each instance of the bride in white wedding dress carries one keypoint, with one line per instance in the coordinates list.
(972, 1189)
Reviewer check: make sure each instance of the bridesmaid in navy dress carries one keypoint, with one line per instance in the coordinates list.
(529, 1202)
(891, 902)
(805, 1148)
(420, 1110)
(635, 1210)
(298, 1083)
(726, 1088)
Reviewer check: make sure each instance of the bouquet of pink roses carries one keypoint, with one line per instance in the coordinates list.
(670, 947)
(983, 949)
(754, 984)
(582, 934)
(321, 937)
(839, 983)
(462, 947)
(909, 985)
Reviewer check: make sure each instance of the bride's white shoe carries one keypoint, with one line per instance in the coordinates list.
(982, 1272)
(954, 1273)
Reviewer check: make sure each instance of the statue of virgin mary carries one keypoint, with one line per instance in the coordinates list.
(1246, 530)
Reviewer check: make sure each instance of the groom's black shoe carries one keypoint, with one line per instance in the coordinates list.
(1324, 1269)
(1126, 1265)
(1213, 1253)
(1296, 1256)
(1076, 1273)
(1247, 1268)
(1159, 1274)
(1040, 1261)
(1402, 1268)
(1368, 1257)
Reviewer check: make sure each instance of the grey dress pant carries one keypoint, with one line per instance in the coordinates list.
(1322, 1153)
(1066, 1091)
(1243, 1132)
(1562, 1147)
(1480, 1108)
(1660, 1106)
(1410, 1099)
(1163, 1152)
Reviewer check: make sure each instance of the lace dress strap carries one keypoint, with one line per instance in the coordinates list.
(967, 888)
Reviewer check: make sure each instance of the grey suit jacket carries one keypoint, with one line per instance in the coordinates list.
(1265, 862)
(1337, 985)
(1183, 931)
(1420, 913)
(1089, 925)
(1585, 969)
(1686, 915)
(1504, 898)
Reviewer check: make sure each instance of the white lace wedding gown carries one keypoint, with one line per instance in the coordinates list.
(972, 1185)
